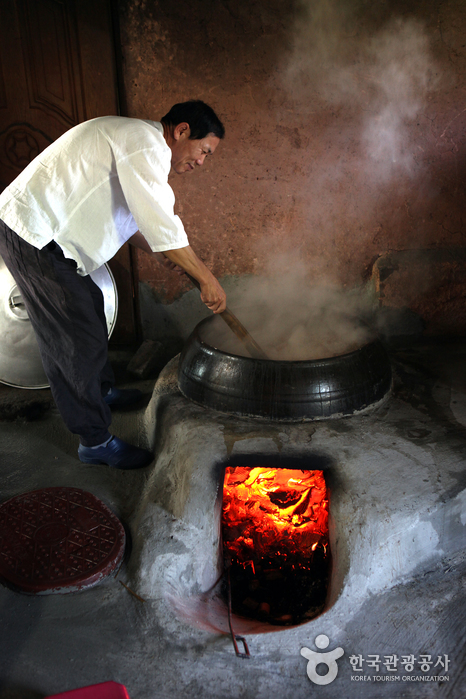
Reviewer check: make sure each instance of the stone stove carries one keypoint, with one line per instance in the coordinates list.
(397, 518)
(395, 505)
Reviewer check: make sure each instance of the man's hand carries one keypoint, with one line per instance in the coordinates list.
(213, 295)
(183, 260)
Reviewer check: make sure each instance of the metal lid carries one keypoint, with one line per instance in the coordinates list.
(20, 362)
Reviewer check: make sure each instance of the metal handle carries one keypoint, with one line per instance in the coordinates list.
(16, 301)
(16, 305)
(234, 637)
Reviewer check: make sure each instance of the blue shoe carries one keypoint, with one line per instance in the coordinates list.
(123, 397)
(117, 454)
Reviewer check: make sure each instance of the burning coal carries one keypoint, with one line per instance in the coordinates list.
(275, 538)
(274, 512)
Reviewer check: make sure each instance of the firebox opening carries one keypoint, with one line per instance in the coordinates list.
(275, 543)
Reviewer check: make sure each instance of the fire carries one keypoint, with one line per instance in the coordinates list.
(279, 514)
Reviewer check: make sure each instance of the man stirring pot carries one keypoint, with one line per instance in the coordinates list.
(101, 184)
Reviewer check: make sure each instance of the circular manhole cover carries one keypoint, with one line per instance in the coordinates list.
(58, 540)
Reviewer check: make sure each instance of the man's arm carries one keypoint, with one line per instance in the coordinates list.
(212, 293)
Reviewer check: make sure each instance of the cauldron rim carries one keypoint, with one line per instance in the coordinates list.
(286, 362)
(283, 390)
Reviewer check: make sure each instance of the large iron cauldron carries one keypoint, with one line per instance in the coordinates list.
(282, 390)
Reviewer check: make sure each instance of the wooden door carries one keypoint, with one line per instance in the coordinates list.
(57, 69)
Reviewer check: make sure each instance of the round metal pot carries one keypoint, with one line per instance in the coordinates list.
(282, 390)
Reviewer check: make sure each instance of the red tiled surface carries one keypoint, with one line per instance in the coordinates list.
(58, 540)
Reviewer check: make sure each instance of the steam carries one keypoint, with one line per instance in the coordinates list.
(291, 318)
(383, 76)
(367, 84)
(376, 81)
(401, 77)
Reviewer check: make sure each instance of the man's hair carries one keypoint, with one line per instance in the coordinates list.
(201, 118)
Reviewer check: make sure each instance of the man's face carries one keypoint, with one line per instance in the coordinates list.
(187, 154)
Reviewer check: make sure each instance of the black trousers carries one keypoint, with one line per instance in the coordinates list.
(66, 311)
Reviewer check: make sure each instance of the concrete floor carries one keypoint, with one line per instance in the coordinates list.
(397, 535)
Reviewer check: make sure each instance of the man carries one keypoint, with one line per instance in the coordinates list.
(102, 183)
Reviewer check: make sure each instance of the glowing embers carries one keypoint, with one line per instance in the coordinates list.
(275, 541)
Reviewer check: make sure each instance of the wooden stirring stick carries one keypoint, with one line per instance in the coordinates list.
(238, 328)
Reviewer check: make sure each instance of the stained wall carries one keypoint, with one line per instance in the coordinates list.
(345, 138)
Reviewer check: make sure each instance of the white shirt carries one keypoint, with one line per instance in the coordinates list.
(93, 188)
